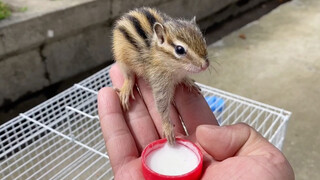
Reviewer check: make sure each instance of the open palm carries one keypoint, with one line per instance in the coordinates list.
(230, 152)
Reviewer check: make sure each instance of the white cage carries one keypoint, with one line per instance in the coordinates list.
(61, 138)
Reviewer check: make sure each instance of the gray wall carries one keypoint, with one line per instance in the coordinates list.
(40, 47)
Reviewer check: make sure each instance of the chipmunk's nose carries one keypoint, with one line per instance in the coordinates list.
(205, 65)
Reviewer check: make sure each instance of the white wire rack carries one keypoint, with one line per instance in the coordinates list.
(61, 138)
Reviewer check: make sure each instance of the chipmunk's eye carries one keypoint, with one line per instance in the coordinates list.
(180, 50)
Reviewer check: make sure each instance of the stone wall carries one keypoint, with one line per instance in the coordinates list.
(55, 40)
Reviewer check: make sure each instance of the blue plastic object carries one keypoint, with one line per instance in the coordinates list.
(215, 103)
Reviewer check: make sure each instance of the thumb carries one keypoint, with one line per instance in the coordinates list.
(222, 142)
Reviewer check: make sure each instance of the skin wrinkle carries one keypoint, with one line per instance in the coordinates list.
(254, 142)
(110, 114)
(222, 176)
(248, 135)
(263, 165)
(117, 135)
(122, 169)
(247, 139)
(229, 145)
(137, 116)
(238, 176)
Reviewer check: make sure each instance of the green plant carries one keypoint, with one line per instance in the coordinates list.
(4, 11)
(23, 9)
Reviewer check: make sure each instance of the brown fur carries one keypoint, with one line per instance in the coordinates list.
(144, 42)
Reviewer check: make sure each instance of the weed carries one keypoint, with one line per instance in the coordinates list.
(4, 11)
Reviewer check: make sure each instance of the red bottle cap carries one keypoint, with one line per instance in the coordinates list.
(150, 174)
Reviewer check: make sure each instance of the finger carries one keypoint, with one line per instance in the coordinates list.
(132, 170)
(244, 146)
(116, 76)
(120, 144)
(227, 141)
(193, 109)
(138, 118)
(148, 98)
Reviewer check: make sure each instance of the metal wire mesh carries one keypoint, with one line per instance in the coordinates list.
(61, 138)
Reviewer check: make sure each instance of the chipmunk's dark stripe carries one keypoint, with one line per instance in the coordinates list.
(128, 37)
(171, 43)
(139, 29)
(170, 54)
(150, 17)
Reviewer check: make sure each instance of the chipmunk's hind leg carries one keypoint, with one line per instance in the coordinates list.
(163, 94)
(127, 88)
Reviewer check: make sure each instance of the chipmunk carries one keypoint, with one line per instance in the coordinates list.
(163, 51)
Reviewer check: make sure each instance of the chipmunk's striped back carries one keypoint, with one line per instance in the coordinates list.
(133, 32)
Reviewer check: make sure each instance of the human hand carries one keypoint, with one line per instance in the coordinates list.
(230, 152)
(240, 152)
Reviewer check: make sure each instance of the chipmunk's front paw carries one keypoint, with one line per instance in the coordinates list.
(168, 132)
(192, 86)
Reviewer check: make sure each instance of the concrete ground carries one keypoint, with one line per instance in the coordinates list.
(276, 60)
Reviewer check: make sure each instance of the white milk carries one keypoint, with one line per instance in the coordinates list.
(172, 160)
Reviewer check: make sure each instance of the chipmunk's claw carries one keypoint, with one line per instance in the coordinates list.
(124, 96)
(192, 86)
(124, 99)
(117, 90)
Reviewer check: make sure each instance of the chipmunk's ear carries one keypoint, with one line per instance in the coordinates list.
(159, 31)
(194, 20)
